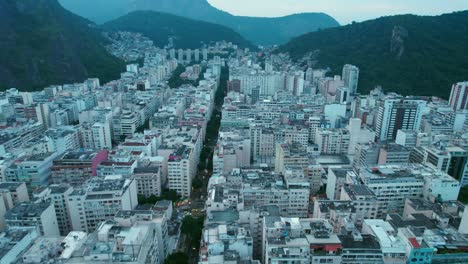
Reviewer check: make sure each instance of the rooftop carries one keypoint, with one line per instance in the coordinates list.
(27, 210)
(359, 242)
(59, 188)
(11, 186)
(109, 183)
(358, 190)
(81, 156)
(10, 237)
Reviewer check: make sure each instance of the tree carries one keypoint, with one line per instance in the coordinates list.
(170, 195)
(197, 183)
(192, 228)
(177, 258)
(143, 127)
(463, 196)
(176, 81)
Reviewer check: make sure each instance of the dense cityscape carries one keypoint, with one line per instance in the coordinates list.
(173, 132)
(225, 155)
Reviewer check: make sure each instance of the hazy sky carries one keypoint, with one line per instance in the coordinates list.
(344, 11)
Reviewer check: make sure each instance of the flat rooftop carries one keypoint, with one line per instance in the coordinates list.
(366, 242)
(11, 186)
(81, 156)
(26, 210)
(59, 188)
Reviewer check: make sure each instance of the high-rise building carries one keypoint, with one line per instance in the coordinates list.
(234, 86)
(205, 54)
(295, 240)
(358, 134)
(342, 95)
(96, 136)
(392, 184)
(180, 56)
(350, 77)
(268, 67)
(196, 53)
(365, 155)
(172, 54)
(125, 125)
(406, 138)
(290, 155)
(181, 170)
(458, 164)
(316, 122)
(459, 96)
(332, 141)
(17, 190)
(62, 139)
(262, 144)
(269, 83)
(75, 168)
(393, 153)
(314, 174)
(99, 200)
(58, 195)
(43, 115)
(395, 114)
(126, 241)
(188, 55)
(33, 170)
(255, 96)
(35, 214)
(148, 178)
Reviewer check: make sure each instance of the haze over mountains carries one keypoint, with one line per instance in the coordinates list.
(185, 33)
(407, 54)
(265, 31)
(44, 44)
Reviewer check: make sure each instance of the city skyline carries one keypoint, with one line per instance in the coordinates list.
(343, 11)
(187, 135)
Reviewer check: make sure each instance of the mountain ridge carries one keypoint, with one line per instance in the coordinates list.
(185, 32)
(41, 46)
(408, 54)
(259, 30)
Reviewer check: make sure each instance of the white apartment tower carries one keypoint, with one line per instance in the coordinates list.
(350, 77)
(101, 136)
(395, 114)
(459, 96)
(100, 200)
(43, 115)
(181, 170)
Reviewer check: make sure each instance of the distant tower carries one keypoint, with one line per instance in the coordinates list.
(188, 54)
(205, 54)
(197, 55)
(459, 96)
(268, 67)
(172, 54)
(170, 42)
(350, 77)
(180, 57)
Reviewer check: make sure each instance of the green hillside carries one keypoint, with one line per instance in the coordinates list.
(44, 44)
(408, 54)
(185, 32)
(258, 30)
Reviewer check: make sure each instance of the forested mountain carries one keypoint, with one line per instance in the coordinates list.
(185, 32)
(43, 44)
(258, 30)
(420, 55)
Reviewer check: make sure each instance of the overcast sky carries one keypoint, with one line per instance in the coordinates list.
(344, 11)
